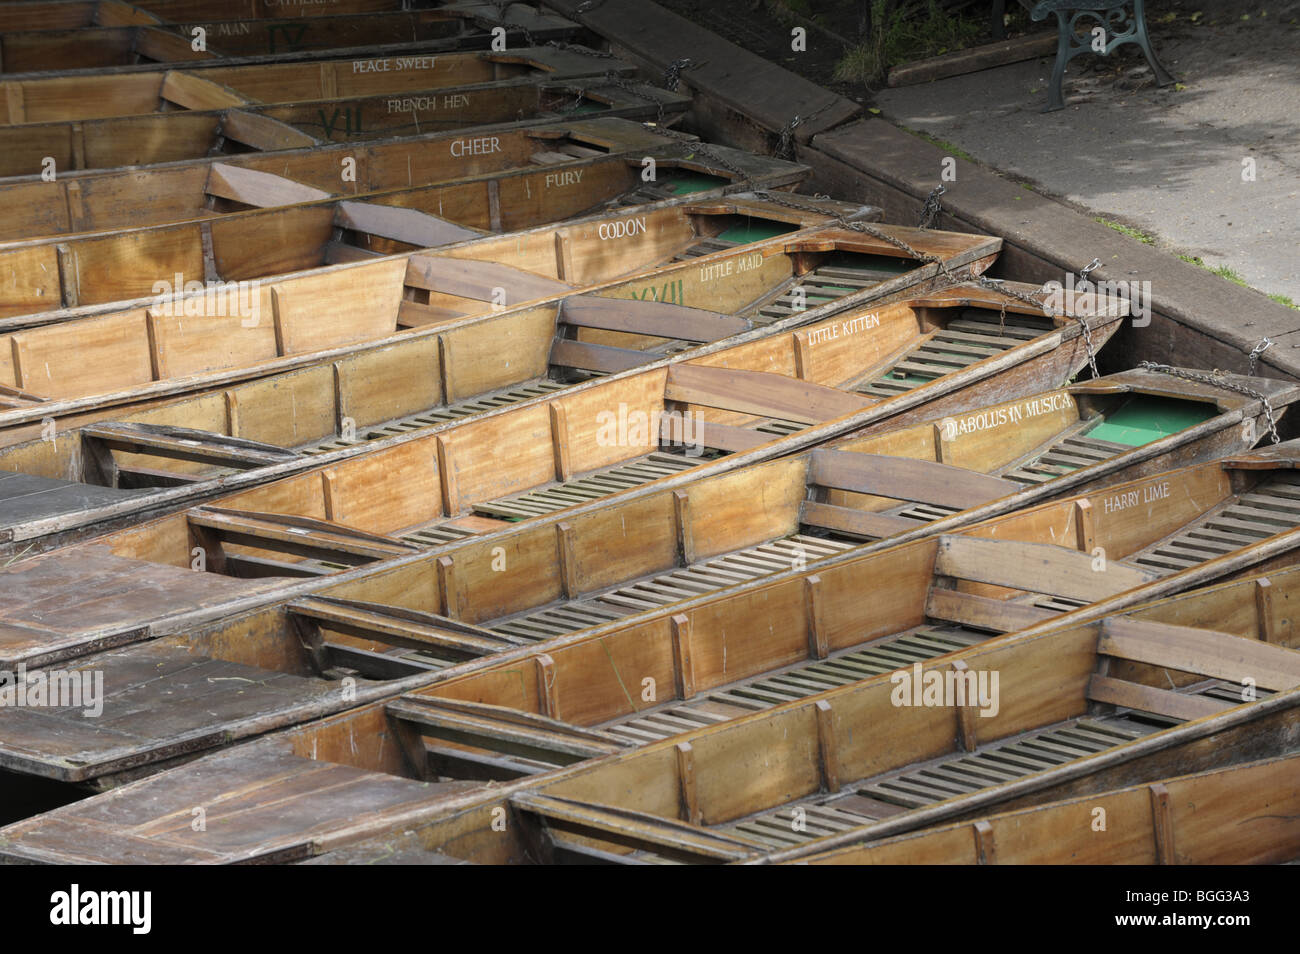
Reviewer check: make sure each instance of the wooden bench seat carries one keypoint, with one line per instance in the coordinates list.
(1037, 568)
(297, 535)
(495, 730)
(390, 625)
(1202, 652)
(564, 818)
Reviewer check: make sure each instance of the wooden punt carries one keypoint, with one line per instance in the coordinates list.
(214, 124)
(708, 546)
(741, 392)
(713, 763)
(207, 86)
(146, 38)
(724, 254)
(106, 200)
(1241, 815)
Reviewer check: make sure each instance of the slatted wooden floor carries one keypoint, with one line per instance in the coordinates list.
(792, 683)
(593, 486)
(917, 786)
(652, 592)
(826, 284)
(975, 335)
(1068, 452)
(490, 401)
(1272, 507)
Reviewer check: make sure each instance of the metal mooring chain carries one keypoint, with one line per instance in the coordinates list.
(930, 211)
(697, 147)
(995, 284)
(785, 135)
(673, 74)
(511, 25)
(582, 50)
(582, 95)
(1264, 345)
(1215, 379)
(612, 79)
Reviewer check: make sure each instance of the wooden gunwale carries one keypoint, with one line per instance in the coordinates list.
(1240, 797)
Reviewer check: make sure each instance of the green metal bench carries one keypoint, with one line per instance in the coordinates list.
(1114, 16)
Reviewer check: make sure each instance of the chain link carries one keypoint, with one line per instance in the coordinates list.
(930, 211)
(673, 74)
(1215, 379)
(997, 285)
(582, 95)
(582, 50)
(613, 79)
(696, 147)
(785, 135)
(511, 25)
(1264, 345)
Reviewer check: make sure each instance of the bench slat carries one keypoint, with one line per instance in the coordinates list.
(658, 318)
(983, 612)
(582, 355)
(1174, 705)
(1201, 651)
(858, 523)
(1036, 567)
(465, 278)
(906, 478)
(760, 392)
(402, 225)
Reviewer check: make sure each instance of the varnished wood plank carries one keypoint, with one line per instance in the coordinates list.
(1037, 567)
(1164, 702)
(906, 478)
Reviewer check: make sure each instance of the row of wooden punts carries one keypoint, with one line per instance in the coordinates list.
(415, 449)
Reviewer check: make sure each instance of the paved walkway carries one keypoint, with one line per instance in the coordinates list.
(1166, 161)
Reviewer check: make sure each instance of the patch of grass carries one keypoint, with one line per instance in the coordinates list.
(1143, 237)
(897, 38)
(950, 148)
(1231, 275)
(1223, 271)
